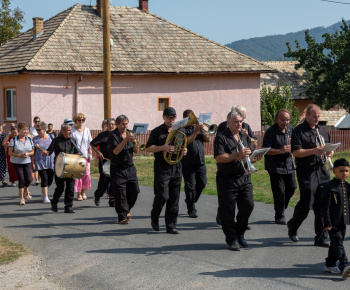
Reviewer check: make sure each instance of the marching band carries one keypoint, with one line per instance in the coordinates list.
(179, 152)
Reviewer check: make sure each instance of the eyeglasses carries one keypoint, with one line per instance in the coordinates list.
(110, 124)
(38, 130)
(170, 118)
(81, 120)
(36, 121)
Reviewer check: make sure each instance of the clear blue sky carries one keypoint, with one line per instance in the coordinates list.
(223, 21)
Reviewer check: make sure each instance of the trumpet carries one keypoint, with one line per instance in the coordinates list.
(137, 143)
(212, 129)
(320, 142)
(245, 162)
(288, 143)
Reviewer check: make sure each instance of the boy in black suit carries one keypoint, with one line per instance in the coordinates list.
(335, 217)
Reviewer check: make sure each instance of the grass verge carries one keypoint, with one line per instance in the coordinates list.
(10, 251)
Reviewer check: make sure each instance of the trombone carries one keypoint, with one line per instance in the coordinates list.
(137, 142)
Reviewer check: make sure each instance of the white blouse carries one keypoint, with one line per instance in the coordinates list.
(83, 140)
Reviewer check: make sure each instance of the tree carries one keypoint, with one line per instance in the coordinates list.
(10, 21)
(328, 66)
(272, 100)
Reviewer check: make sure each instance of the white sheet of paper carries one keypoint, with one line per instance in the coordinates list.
(140, 128)
(204, 118)
(260, 151)
(180, 123)
(331, 147)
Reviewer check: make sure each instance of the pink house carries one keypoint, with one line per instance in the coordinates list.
(56, 69)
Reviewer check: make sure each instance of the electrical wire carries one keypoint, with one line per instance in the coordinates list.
(337, 2)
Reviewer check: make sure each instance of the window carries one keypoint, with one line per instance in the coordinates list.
(10, 104)
(163, 103)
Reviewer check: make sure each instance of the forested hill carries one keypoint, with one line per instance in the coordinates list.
(274, 46)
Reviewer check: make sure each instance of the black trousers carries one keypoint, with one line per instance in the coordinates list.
(234, 191)
(46, 177)
(311, 185)
(283, 187)
(125, 189)
(195, 178)
(102, 185)
(167, 183)
(24, 174)
(69, 192)
(336, 251)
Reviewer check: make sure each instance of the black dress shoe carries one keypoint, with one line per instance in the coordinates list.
(281, 221)
(234, 246)
(69, 210)
(172, 231)
(248, 228)
(292, 235)
(242, 241)
(322, 244)
(155, 226)
(193, 214)
(54, 207)
(97, 201)
(218, 220)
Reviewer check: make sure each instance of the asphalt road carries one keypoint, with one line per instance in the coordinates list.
(89, 250)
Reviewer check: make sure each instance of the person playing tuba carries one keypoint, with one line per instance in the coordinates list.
(167, 178)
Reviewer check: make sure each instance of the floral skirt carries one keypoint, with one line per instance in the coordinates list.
(83, 183)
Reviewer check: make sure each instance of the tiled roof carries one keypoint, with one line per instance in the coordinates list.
(143, 43)
(287, 74)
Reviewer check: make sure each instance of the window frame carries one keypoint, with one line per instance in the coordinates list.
(14, 104)
(158, 102)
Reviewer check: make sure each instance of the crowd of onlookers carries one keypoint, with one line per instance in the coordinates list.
(21, 156)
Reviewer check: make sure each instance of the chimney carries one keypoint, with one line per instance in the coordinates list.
(99, 7)
(38, 27)
(143, 5)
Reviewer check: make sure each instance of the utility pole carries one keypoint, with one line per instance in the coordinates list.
(106, 60)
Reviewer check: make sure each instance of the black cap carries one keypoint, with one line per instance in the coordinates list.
(341, 162)
(169, 111)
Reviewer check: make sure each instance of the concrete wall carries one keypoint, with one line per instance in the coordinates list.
(54, 97)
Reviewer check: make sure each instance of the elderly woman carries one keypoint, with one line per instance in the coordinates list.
(2, 156)
(21, 148)
(83, 138)
(42, 163)
(5, 143)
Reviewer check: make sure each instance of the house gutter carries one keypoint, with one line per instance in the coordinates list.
(77, 93)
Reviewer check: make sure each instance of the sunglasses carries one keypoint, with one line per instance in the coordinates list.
(38, 130)
(36, 121)
(81, 120)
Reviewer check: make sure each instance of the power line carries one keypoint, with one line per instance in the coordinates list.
(338, 2)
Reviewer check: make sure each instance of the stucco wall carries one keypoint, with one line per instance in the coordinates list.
(22, 85)
(53, 97)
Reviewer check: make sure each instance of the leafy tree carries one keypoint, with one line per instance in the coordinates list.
(328, 66)
(272, 100)
(10, 21)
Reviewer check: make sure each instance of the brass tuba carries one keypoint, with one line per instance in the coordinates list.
(245, 162)
(179, 140)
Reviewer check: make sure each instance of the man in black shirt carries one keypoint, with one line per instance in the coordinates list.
(233, 183)
(125, 187)
(167, 178)
(311, 173)
(279, 163)
(194, 171)
(103, 154)
(63, 143)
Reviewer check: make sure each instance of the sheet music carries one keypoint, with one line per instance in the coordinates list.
(179, 124)
(204, 118)
(328, 147)
(260, 151)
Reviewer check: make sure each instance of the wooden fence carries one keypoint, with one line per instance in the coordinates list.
(342, 136)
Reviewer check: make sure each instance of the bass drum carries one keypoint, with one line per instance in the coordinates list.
(106, 168)
(70, 165)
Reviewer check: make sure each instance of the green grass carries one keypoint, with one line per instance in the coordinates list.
(260, 180)
(10, 251)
